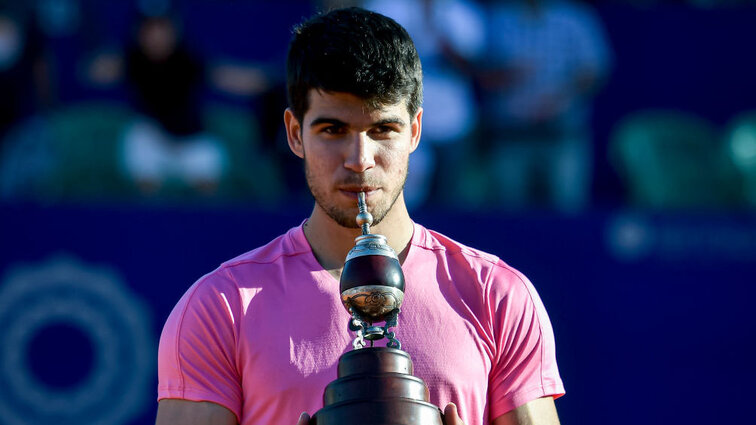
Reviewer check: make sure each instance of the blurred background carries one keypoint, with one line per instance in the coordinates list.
(606, 149)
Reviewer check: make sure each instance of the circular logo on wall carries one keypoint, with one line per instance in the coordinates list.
(38, 302)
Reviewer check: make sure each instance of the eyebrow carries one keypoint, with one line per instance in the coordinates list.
(338, 122)
(390, 120)
(333, 121)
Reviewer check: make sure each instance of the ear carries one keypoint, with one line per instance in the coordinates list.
(293, 133)
(417, 129)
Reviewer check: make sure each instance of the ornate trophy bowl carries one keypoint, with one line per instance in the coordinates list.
(372, 282)
(375, 385)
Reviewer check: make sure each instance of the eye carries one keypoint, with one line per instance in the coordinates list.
(333, 130)
(382, 131)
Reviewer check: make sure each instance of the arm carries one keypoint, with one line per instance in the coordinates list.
(540, 411)
(525, 379)
(175, 411)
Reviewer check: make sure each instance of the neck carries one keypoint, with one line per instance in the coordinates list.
(331, 242)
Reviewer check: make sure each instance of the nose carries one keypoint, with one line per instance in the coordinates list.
(360, 156)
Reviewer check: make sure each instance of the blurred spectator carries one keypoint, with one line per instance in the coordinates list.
(168, 144)
(448, 34)
(545, 60)
(23, 69)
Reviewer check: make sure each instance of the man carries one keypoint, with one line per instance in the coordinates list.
(545, 62)
(257, 340)
(167, 142)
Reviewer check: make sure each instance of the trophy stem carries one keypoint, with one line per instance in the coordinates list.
(364, 218)
(364, 330)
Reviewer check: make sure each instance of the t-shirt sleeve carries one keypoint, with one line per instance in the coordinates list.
(197, 352)
(524, 367)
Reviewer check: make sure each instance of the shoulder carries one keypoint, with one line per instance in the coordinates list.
(436, 242)
(263, 261)
(223, 285)
(290, 244)
(490, 269)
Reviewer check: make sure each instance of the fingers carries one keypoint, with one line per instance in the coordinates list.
(304, 418)
(451, 415)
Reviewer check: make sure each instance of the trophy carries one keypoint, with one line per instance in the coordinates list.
(375, 385)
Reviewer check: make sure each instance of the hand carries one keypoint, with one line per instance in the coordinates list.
(304, 419)
(451, 416)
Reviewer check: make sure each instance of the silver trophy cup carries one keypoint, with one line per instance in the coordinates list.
(375, 385)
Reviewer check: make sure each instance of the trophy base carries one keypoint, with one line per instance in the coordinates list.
(376, 387)
(393, 411)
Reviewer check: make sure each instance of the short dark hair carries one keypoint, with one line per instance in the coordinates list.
(354, 51)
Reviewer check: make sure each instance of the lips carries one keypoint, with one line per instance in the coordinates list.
(353, 191)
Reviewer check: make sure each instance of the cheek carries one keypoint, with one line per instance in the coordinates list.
(319, 156)
(314, 165)
(320, 168)
(393, 159)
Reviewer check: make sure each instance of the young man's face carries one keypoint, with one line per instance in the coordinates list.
(349, 148)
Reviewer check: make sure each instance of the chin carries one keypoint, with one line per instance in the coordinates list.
(343, 218)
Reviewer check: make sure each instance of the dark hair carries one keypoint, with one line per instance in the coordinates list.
(355, 51)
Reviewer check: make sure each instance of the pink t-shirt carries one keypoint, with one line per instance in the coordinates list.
(263, 333)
